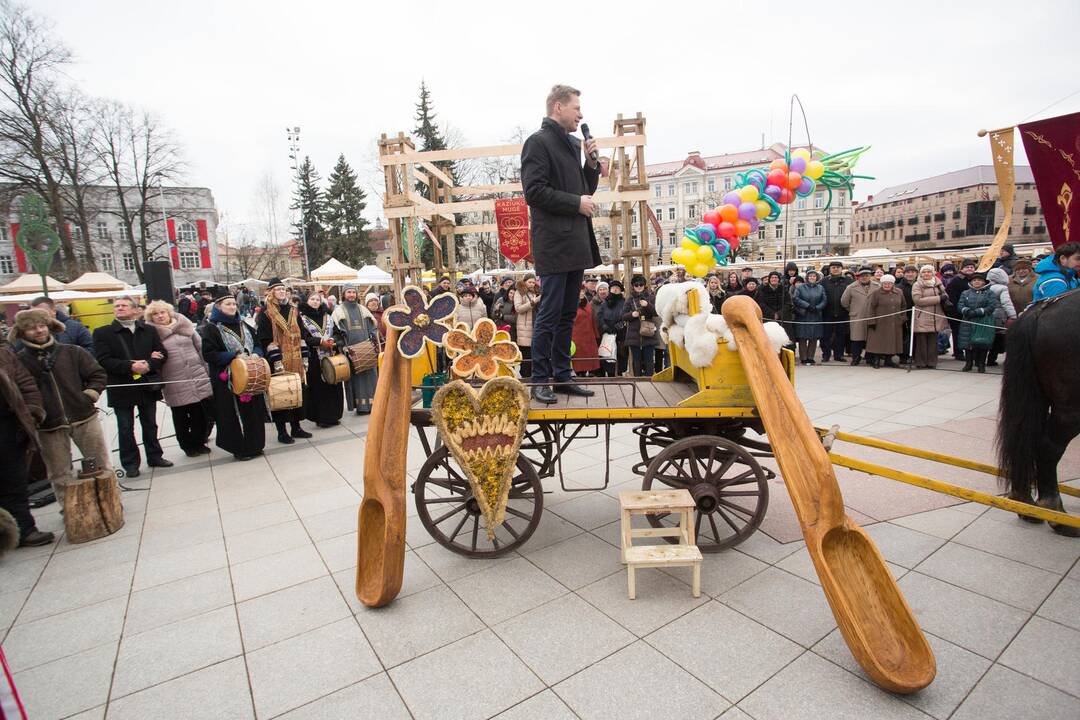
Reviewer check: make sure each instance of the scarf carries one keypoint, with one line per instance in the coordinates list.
(318, 327)
(237, 338)
(286, 335)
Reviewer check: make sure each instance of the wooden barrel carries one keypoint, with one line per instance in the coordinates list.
(92, 508)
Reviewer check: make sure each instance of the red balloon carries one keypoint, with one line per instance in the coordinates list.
(786, 196)
(711, 217)
(793, 180)
(726, 230)
(777, 177)
(729, 213)
(742, 227)
(734, 243)
(778, 164)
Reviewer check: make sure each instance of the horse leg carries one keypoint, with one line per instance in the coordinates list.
(1061, 429)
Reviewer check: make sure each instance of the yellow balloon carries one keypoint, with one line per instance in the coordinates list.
(701, 269)
(762, 209)
(814, 169)
(704, 254)
(678, 255)
(748, 193)
(688, 244)
(801, 153)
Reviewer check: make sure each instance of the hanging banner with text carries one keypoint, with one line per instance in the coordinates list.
(1053, 150)
(512, 219)
(1001, 149)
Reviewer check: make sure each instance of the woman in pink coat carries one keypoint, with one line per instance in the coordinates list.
(187, 382)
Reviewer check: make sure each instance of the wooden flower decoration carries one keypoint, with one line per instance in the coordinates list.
(478, 353)
(418, 320)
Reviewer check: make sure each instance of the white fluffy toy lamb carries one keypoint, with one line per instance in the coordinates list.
(699, 334)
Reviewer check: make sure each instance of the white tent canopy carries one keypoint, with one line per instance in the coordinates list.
(29, 283)
(872, 252)
(248, 281)
(373, 275)
(333, 270)
(94, 281)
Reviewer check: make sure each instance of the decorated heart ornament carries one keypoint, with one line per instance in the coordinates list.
(483, 431)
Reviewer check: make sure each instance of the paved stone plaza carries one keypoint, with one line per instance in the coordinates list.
(229, 594)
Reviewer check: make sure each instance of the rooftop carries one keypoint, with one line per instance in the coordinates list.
(764, 156)
(968, 177)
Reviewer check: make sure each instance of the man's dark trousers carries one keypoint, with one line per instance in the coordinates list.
(554, 324)
(125, 426)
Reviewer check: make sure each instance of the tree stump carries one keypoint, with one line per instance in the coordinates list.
(92, 508)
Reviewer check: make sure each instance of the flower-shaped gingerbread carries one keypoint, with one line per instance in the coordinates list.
(419, 320)
(478, 353)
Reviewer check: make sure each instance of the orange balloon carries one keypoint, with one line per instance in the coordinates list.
(729, 213)
(778, 164)
(793, 180)
(742, 228)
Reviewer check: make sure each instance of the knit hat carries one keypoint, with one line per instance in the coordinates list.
(751, 279)
(468, 290)
(274, 282)
(977, 276)
(776, 273)
(1008, 247)
(836, 263)
(26, 319)
(369, 297)
(602, 286)
(864, 270)
(637, 280)
(927, 267)
(618, 284)
(221, 294)
(948, 267)
(969, 261)
(813, 272)
(1022, 263)
(886, 278)
(506, 279)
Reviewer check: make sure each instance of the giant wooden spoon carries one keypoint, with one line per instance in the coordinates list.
(873, 616)
(380, 552)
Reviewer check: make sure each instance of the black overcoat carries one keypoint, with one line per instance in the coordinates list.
(554, 181)
(116, 347)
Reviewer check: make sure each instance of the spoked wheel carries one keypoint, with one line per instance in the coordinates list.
(538, 447)
(652, 439)
(447, 508)
(728, 485)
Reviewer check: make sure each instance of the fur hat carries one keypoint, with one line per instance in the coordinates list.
(637, 280)
(969, 261)
(618, 284)
(1022, 263)
(887, 278)
(369, 297)
(26, 319)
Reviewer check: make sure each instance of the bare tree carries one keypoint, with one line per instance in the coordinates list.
(30, 58)
(268, 207)
(73, 126)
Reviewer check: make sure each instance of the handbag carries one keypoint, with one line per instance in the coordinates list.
(647, 328)
(606, 349)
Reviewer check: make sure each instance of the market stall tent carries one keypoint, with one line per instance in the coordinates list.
(96, 281)
(30, 283)
(373, 275)
(333, 270)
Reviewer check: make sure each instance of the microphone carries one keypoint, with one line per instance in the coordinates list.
(588, 136)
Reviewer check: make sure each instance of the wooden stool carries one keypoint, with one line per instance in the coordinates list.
(656, 502)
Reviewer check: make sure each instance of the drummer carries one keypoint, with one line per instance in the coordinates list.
(323, 403)
(284, 343)
(241, 428)
(357, 324)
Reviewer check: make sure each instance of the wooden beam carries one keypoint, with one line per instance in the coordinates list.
(423, 210)
(432, 156)
(486, 189)
(437, 172)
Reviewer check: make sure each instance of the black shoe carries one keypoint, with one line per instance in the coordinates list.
(243, 458)
(981, 368)
(160, 462)
(968, 364)
(543, 394)
(299, 432)
(284, 439)
(134, 472)
(193, 453)
(326, 425)
(855, 361)
(36, 538)
(575, 389)
(890, 363)
(204, 450)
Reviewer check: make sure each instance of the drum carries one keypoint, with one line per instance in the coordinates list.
(286, 392)
(363, 356)
(250, 375)
(335, 369)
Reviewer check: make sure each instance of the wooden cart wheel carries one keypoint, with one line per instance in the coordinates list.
(652, 439)
(729, 486)
(445, 504)
(538, 447)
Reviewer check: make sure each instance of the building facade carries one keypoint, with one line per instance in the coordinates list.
(955, 210)
(684, 189)
(261, 262)
(181, 228)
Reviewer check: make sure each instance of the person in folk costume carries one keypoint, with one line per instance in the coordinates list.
(357, 324)
(374, 306)
(284, 343)
(241, 420)
(323, 403)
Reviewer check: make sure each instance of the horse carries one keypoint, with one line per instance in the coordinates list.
(1039, 408)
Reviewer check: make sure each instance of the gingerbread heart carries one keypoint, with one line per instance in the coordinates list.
(484, 431)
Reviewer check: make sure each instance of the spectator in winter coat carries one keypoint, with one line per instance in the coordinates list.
(885, 329)
(977, 305)
(586, 341)
(810, 300)
(607, 314)
(75, 333)
(928, 295)
(1005, 314)
(1058, 273)
(774, 298)
(639, 306)
(716, 293)
(835, 317)
(526, 301)
(503, 312)
(955, 288)
(856, 301)
(470, 308)
(487, 296)
(22, 407)
(1006, 259)
(1021, 285)
(750, 288)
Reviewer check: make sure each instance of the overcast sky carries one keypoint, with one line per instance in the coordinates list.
(915, 80)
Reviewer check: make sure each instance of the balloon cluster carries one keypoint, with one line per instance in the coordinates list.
(757, 198)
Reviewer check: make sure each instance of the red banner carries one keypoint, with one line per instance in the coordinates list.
(1053, 150)
(174, 251)
(20, 256)
(512, 218)
(204, 244)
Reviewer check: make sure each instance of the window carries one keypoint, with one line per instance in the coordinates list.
(819, 199)
(801, 204)
(671, 238)
(102, 230)
(727, 184)
(633, 240)
(189, 259)
(779, 231)
(76, 234)
(185, 232)
(671, 213)
(817, 228)
(128, 261)
(659, 191)
(694, 188)
(692, 212)
(779, 255)
(842, 198)
(7, 264)
(123, 231)
(840, 227)
(671, 191)
(105, 262)
(3, 233)
(686, 188)
(800, 230)
(711, 185)
(607, 243)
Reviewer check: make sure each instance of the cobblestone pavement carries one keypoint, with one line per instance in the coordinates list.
(229, 594)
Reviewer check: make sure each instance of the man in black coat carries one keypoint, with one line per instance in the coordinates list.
(559, 193)
(835, 316)
(132, 355)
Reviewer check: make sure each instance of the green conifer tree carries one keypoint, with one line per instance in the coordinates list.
(309, 200)
(344, 219)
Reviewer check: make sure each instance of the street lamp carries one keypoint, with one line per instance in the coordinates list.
(293, 135)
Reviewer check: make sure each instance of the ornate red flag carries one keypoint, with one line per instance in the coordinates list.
(204, 243)
(512, 218)
(1053, 150)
